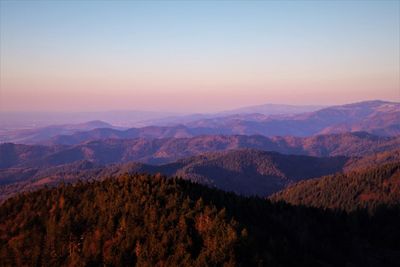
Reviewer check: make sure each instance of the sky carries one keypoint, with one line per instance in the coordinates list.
(196, 56)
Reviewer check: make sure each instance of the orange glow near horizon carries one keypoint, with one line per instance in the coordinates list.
(180, 57)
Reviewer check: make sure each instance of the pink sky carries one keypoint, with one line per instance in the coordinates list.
(196, 57)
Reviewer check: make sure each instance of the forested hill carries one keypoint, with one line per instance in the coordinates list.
(368, 188)
(154, 221)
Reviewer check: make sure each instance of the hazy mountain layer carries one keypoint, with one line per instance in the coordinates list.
(42, 134)
(375, 117)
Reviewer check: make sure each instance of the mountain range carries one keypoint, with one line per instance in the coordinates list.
(375, 117)
(245, 164)
(37, 135)
(320, 188)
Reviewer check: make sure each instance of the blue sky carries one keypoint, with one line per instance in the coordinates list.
(196, 55)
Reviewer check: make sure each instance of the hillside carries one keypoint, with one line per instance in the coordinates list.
(151, 221)
(358, 189)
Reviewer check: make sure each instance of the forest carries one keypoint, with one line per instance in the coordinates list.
(146, 220)
(368, 188)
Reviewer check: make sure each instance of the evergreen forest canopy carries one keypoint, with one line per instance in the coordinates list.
(362, 189)
(148, 220)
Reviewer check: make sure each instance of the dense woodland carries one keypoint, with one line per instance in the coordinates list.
(369, 189)
(153, 221)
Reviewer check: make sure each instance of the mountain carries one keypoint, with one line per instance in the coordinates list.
(38, 135)
(368, 188)
(143, 220)
(376, 117)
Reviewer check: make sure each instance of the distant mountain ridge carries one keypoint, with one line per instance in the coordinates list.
(375, 117)
(38, 135)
